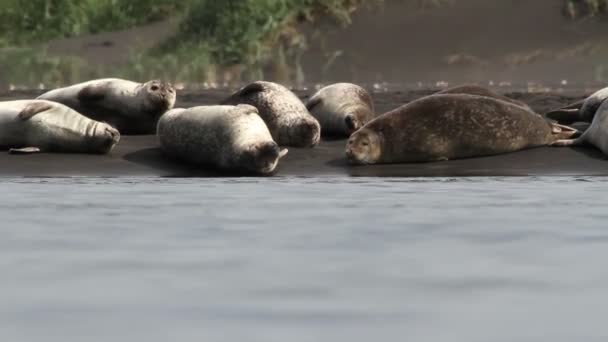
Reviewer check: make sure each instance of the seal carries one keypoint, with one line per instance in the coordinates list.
(341, 108)
(28, 126)
(581, 111)
(596, 134)
(473, 89)
(233, 138)
(287, 118)
(131, 107)
(451, 126)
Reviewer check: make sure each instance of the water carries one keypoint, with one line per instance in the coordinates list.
(300, 259)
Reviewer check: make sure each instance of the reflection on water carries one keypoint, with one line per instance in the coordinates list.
(300, 259)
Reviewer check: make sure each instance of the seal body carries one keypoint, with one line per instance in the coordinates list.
(596, 134)
(131, 107)
(473, 89)
(39, 125)
(580, 111)
(287, 118)
(341, 108)
(232, 138)
(450, 126)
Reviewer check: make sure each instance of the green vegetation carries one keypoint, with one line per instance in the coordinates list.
(576, 9)
(31, 21)
(216, 40)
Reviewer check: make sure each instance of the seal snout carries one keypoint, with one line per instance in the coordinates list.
(351, 122)
(267, 157)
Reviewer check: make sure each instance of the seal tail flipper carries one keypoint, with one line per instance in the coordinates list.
(567, 142)
(564, 116)
(568, 114)
(24, 150)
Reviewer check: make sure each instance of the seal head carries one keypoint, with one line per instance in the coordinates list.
(158, 97)
(364, 147)
(102, 138)
(262, 158)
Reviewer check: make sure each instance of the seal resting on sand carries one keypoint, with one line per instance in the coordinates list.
(131, 107)
(596, 134)
(232, 138)
(473, 89)
(287, 118)
(583, 110)
(28, 126)
(450, 126)
(341, 108)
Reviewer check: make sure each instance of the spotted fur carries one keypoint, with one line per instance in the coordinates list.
(232, 138)
(287, 118)
(451, 126)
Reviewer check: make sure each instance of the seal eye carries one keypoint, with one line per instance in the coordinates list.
(154, 88)
(365, 143)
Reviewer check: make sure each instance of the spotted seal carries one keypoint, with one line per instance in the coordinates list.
(473, 89)
(341, 108)
(232, 138)
(28, 126)
(450, 126)
(287, 118)
(583, 110)
(131, 107)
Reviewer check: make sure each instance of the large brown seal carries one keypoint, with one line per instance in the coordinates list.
(596, 134)
(232, 138)
(582, 111)
(473, 89)
(450, 126)
(287, 118)
(341, 108)
(131, 107)
(28, 126)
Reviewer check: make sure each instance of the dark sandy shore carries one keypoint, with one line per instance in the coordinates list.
(141, 156)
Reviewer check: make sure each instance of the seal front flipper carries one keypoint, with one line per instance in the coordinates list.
(313, 103)
(92, 93)
(283, 152)
(24, 150)
(33, 109)
(246, 91)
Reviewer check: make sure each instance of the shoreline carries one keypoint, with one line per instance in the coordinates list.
(140, 156)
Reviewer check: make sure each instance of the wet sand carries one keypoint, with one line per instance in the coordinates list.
(141, 155)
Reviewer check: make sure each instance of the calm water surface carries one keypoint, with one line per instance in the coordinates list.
(300, 259)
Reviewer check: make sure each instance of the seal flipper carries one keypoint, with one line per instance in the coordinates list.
(568, 114)
(568, 142)
(564, 116)
(32, 109)
(283, 152)
(24, 150)
(313, 103)
(91, 94)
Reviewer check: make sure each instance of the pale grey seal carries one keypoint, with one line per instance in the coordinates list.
(596, 134)
(232, 138)
(287, 118)
(131, 107)
(582, 111)
(341, 108)
(42, 126)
